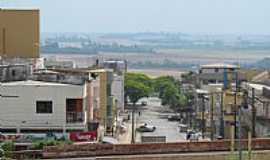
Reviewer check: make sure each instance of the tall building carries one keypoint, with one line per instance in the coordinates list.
(19, 33)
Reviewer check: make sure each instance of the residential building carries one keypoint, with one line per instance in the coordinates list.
(106, 115)
(118, 66)
(214, 73)
(15, 72)
(42, 106)
(262, 107)
(19, 33)
(220, 105)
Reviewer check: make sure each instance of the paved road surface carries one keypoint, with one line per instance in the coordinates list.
(155, 114)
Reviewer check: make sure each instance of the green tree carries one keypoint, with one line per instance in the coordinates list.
(169, 91)
(137, 86)
(136, 90)
(139, 77)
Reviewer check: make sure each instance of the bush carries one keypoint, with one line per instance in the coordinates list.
(39, 145)
(7, 148)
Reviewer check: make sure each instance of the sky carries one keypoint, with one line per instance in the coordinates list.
(187, 16)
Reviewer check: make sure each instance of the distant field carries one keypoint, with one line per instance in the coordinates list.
(158, 72)
(217, 54)
(193, 56)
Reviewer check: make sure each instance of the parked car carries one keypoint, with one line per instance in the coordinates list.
(183, 128)
(146, 128)
(174, 118)
(144, 103)
(193, 136)
(109, 140)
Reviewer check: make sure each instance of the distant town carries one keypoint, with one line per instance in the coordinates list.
(131, 95)
(151, 50)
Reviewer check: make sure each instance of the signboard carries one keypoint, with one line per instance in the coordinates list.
(153, 139)
(12, 137)
(83, 136)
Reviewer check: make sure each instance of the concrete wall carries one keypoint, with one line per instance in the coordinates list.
(19, 33)
(95, 150)
(22, 106)
(103, 99)
(257, 155)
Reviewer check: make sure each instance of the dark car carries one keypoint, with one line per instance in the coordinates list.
(144, 103)
(174, 118)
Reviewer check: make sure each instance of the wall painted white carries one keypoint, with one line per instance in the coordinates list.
(18, 104)
(118, 90)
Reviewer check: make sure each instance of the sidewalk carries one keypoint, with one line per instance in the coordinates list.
(125, 138)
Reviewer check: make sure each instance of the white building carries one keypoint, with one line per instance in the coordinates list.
(36, 105)
(118, 91)
(52, 64)
(214, 73)
(262, 100)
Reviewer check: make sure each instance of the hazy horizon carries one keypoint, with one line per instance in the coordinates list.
(126, 16)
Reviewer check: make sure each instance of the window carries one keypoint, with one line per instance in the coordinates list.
(13, 73)
(216, 70)
(44, 107)
(74, 110)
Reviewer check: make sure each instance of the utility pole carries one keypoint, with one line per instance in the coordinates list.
(221, 129)
(239, 133)
(133, 126)
(253, 114)
(212, 117)
(203, 118)
(235, 105)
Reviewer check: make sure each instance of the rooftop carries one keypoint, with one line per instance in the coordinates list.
(258, 86)
(33, 83)
(220, 65)
(81, 70)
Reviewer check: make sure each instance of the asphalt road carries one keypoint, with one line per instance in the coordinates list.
(155, 114)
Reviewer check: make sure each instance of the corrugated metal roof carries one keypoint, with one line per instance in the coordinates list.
(33, 83)
(219, 65)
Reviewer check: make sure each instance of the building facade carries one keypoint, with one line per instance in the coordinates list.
(38, 106)
(19, 33)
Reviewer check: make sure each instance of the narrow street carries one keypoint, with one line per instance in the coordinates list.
(156, 115)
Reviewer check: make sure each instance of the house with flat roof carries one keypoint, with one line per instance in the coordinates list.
(42, 106)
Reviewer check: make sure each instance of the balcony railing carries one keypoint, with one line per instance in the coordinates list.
(74, 117)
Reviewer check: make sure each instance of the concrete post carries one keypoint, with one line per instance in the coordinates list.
(203, 118)
(232, 138)
(253, 114)
(133, 125)
(239, 133)
(212, 117)
(249, 145)
(221, 129)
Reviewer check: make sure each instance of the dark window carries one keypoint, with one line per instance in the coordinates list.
(216, 70)
(44, 107)
(13, 73)
(109, 90)
(74, 110)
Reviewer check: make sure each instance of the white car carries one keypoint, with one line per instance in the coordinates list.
(146, 128)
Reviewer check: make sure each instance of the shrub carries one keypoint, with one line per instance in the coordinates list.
(39, 145)
(7, 148)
